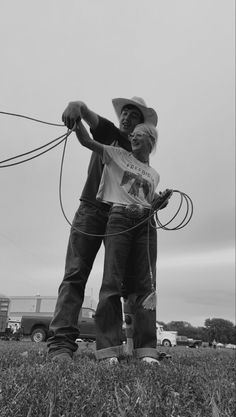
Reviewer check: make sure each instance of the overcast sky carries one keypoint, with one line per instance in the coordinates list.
(176, 54)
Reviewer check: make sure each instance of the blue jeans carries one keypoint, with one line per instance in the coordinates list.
(126, 252)
(81, 253)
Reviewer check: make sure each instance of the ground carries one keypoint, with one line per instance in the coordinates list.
(192, 383)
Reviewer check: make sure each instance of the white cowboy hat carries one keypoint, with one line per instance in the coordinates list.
(148, 113)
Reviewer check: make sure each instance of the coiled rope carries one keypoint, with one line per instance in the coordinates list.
(153, 218)
(153, 211)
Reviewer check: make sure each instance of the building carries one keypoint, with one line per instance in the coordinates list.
(39, 305)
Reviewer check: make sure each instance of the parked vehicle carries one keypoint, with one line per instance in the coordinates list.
(4, 305)
(189, 342)
(205, 344)
(230, 346)
(37, 326)
(165, 337)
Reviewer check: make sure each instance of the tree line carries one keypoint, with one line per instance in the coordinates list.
(220, 330)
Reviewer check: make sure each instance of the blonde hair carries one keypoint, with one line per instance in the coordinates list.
(152, 133)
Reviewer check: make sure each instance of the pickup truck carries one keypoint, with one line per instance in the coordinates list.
(189, 342)
(37, 326)
(165, 337)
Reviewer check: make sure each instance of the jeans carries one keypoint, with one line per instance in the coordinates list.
(81, 253)
(125, 252)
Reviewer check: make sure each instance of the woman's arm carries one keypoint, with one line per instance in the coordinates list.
(79, 110)
(86, 140)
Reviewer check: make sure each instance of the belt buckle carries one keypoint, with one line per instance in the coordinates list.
(134, 211)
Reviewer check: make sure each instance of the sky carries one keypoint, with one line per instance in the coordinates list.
(178, 55)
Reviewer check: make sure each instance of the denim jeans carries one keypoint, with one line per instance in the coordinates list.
(126, 252)
(81, 253)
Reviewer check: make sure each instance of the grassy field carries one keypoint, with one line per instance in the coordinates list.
(193, 383)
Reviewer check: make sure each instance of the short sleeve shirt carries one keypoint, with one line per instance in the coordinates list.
(125, 179)
(106, 133)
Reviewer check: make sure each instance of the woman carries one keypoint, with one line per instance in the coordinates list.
(128, 184)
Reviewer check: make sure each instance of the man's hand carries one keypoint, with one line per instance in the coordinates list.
(77, 110)
(72, 113)
(161, 200)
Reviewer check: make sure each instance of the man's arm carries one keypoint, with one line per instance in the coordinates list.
(77, 110)
(86, 140)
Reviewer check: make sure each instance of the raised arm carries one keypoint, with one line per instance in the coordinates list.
(77, 110)
(86, 140)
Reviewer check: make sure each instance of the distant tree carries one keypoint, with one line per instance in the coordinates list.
(221, 330)
(197, 333)
(234, 336)
(182, 327)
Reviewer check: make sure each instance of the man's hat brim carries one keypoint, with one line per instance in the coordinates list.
(148, 113)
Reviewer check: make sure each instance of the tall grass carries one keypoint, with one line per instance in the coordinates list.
(193, 383)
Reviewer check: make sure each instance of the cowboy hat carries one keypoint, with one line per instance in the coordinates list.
(148, 113)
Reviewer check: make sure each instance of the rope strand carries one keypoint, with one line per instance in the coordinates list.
(153, 219)
(33, 150)
(31, 118)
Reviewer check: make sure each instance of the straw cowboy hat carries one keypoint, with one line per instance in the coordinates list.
(148, 113)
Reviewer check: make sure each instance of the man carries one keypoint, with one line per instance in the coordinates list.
(91, 217)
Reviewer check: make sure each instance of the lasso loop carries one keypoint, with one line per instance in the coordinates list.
(153, 218)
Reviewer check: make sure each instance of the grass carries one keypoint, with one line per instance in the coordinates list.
(193, 383)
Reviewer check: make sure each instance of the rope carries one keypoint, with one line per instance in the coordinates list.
(62, 137)
(149, 218)
(71, 224)
(153, 218)
(189, 213)
(149, 258)
(31, 118)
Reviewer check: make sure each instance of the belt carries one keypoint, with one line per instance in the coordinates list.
(134, 211)
(97, 204)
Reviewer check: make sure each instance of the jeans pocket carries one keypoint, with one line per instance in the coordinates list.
(117, 222)
(85, 210)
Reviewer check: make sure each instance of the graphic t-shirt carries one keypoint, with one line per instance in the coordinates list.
(107, 133)
(126, 180)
